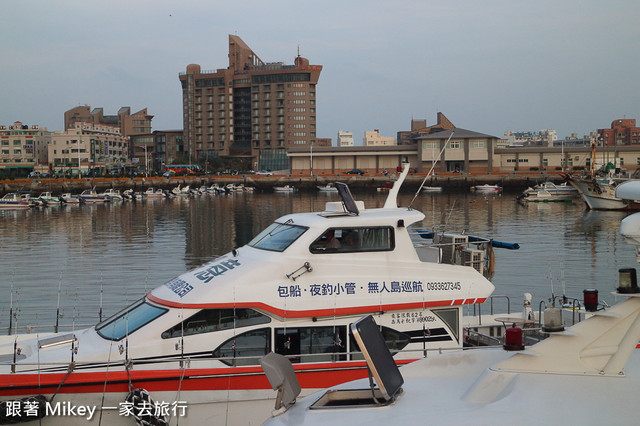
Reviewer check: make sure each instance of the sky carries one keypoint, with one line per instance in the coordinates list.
(489, 66)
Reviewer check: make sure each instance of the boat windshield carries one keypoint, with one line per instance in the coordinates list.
(129, 320)
(277, 236)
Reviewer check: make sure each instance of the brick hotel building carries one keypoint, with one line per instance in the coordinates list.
(251, 109)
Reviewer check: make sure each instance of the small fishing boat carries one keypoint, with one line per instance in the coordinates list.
(182, 191)
(598, 193)
(285, 188)
(486, 188)
(69, 198)
(129, 194)
(91, 196)
(386, 187)
(48, 199)
(13, 201)
(329, 187)
(215, 189)
(153, 193)
(549, 192)
(113, 194)
(431, 189)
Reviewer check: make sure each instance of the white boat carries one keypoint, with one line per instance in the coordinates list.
(69, 198)
(49, 200)
(549, 192)
(598, 193)
(431, 189)
(91, 196)
(129, 194)
(294, 289)
(153, 193)
(13, 201)
(182, 191)
(329, 187)
(113, 194)
(486, 188)
(215, 189)
(285, 188)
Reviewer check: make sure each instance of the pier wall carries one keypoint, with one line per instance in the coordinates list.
(452, 181)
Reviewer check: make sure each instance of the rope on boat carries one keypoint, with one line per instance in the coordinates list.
(70, 369)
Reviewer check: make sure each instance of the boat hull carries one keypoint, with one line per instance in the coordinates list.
(600, 195)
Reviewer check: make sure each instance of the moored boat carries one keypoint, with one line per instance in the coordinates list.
(92, 196)
(598, 193)
(285, 188)
(153, 193)
(13, 201)
(431, 189)
(486, 188)
(48, 199)
(329, 187)
(69, 198)
(113, 194)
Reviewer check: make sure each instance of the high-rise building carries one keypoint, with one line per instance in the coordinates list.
(251, 109)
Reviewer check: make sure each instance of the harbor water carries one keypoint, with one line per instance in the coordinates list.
(76, 264)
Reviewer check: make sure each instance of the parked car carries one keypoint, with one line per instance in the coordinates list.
(35, 175)
(263, 173)
(169, 173)
(355, 172)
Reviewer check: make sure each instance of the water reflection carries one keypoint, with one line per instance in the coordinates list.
(108, 255)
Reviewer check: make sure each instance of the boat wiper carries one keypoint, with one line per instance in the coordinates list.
(271, 233)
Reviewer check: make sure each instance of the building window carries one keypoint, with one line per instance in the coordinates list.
(545, 162)
(454, 145)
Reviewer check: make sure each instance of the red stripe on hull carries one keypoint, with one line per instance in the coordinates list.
(234, 378)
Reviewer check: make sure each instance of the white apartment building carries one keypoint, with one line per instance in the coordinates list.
(545, 137)
(345, 138)
(87, 146)
(23, 146)
(375, 139)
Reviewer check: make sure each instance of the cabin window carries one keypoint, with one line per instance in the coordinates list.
(451, 318)
(342, 240)
(395, 340)
(312, 344)
(277, 237)
(208, 320)
(129, 320)
(246, 348)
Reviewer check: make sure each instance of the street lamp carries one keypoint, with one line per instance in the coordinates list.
(311, 158)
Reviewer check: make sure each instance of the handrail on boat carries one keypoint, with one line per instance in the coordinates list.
(491, 298)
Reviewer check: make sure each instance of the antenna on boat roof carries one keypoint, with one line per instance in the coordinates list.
(433, 165)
